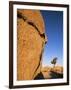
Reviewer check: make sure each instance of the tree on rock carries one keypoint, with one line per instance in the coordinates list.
(54, 61)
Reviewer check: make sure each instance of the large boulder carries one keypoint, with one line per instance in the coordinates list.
(30, 43)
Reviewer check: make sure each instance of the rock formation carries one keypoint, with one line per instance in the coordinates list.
(52, 72)
(30, 43)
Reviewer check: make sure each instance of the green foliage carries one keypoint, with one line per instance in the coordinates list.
(54, 61)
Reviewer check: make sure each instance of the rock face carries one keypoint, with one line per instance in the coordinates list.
(46, 72)
(30, 43)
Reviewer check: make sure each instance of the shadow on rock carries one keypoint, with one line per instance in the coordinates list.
(55, 75)
(39, 76)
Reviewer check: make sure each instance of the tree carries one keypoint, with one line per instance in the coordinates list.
(54, 61)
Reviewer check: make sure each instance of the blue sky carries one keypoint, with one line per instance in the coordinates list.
(54, 30)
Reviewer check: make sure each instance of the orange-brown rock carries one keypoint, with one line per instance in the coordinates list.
(30, 42)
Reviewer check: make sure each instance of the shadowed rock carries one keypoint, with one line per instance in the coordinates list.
(39, 76)
(55, 75)
(52, 73)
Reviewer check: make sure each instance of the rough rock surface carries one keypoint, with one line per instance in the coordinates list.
(30, 43)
